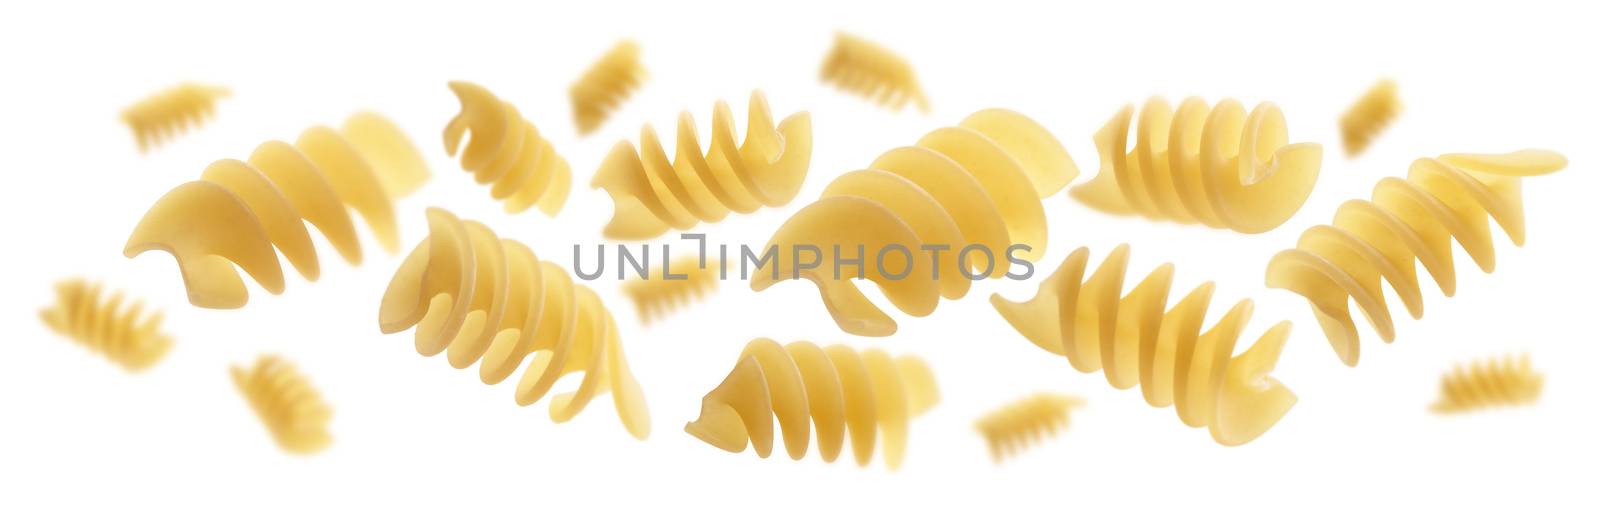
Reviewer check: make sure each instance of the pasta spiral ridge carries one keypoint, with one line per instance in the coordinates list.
(1216, 166)
(869, 394)
(1407, 221)
(652, 195)
(506, 151)
(1504, 381)
(976, 184)
(1369, 116)
(605, 85)
(170, 112)
(1020, 424)
(872, 71)
(491, 301)
(127, 335)
(286, 402)
(1137, 341)
(658, 295)
(240, 210)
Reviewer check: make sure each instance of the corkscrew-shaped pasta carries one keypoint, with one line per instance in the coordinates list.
(491, 301)
(240, 210)
(870, 394)
(1137, 341)
(127, 335)
(872, 71)
(1407, 221)
(652, 195)
(507, 152)
(977, 184)
(1212, 165)
(1369, 116)
(605, 85)
(286, 402)
(1019, 424)
(1505, 381)
(661, 293)
(171, 112)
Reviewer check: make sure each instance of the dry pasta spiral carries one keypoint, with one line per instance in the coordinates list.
(1218, 166)
(1504, 381)
(1369, 116)
(867, 69)
(1137, 341)
(128, 335)
(286, 402)
(605, 85)
(870, 394)
(491, 301)
(652, 195)
(171, 112)
(239, 211)
(976, 185)
(1017, 425)
(507, 152)
(1407, 221)
(660, 294)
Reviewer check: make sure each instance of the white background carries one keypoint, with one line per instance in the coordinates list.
(413, 434)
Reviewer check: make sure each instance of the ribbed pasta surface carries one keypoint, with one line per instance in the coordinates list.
(1219, 166)
(836, 389)
(490, 301)
(972, 191)
(652, 195)
(1407, 221)
(242, 213)
(1137, 340)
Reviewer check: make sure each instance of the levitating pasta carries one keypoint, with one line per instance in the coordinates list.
(652, 195)
(973, 190)
(1367, 118)
(605, 85)
(240, 210)
(171, 112)
(1212, 165)
(1500, 382)
(660, 294)
(128, 335)
(507, 152)
(1017, 425)
(867, 69)
(491, 301)
(1407, 221)
(869, 394)
(1137, 341)
(286, 402)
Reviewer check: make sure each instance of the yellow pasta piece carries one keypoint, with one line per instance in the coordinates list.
(240, 210)
(170, 112)
(506, 151)
(652, 195)
(605, 85)
(1407, 221)
(977, 184)
(291, 408)
(127, 335)
(1212, 165)
(659, 295)
(492, 301)
(870, 393)
(1367, 118)
(862, 67)
(1505, 381)
(1019, 424)
(1137, 341)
